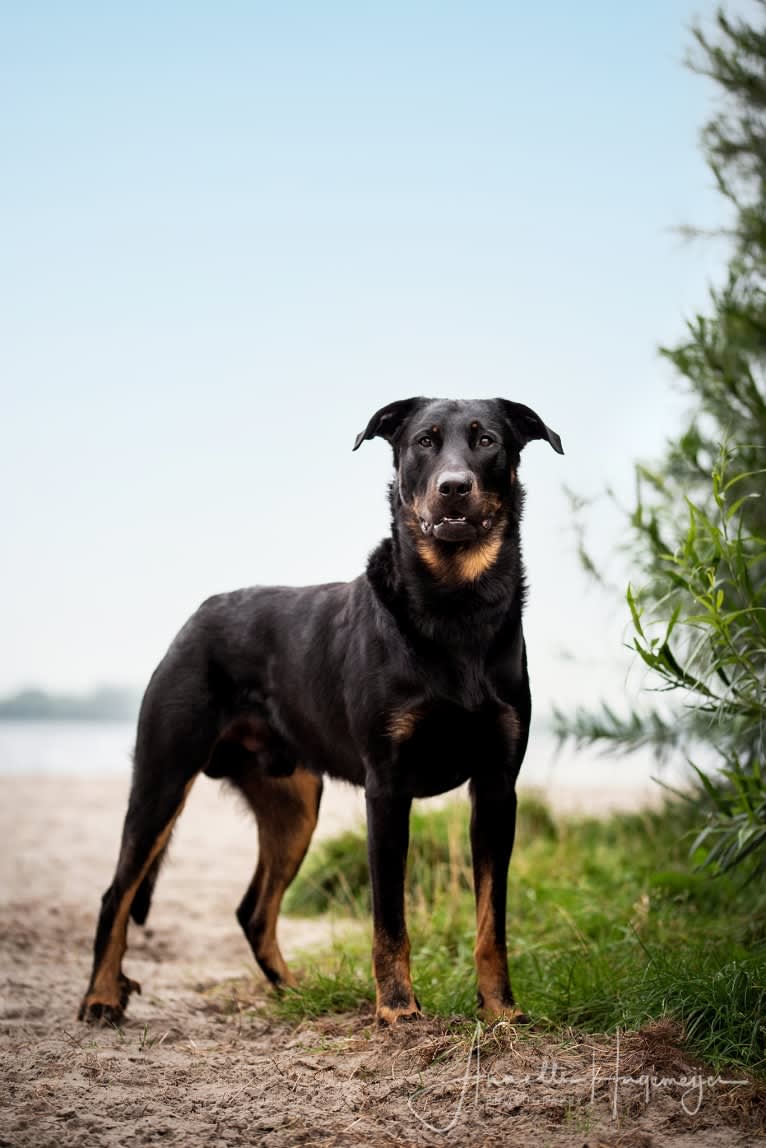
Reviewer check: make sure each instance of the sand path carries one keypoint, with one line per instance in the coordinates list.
(194, 1065)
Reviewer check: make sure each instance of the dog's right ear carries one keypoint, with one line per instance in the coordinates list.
(388, 421)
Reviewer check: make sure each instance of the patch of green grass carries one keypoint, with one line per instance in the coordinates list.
(337, 982)
(334, 877)
(607, 925)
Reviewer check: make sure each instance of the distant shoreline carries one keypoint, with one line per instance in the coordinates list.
(107, 703)
(96, 719)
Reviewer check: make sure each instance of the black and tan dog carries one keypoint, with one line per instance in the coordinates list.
(408, 681)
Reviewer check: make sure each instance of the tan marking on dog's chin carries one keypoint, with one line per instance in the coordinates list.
(424, 546)
(401, 725)
(464, 562)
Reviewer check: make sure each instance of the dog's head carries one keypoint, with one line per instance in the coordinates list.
(456, 465)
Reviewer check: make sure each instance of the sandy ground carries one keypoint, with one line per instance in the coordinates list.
(199, 1059)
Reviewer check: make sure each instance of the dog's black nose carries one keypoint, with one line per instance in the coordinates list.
(455, 483)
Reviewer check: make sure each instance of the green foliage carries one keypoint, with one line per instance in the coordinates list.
(696, 534)
(336, 983)
(607, 928)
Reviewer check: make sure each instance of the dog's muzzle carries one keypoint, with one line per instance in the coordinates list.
(455, 528)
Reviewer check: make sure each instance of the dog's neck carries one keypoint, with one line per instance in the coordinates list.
(432, 588)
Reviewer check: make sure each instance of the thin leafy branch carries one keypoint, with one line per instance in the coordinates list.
(696, 531)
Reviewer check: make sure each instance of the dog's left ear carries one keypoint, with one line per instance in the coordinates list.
(527, 424)
(388, 421)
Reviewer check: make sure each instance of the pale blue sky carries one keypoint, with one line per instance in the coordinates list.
(232, 230)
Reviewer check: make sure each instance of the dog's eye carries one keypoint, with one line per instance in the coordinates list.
(425, 441)
(486, 440)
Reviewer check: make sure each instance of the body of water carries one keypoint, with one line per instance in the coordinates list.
(81, 748)
(66, 748)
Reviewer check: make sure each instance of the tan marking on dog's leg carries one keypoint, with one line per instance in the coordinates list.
(394, 994)
(491, 967)
(286, 810)
(110, 986)
(269, 955)
(492, 961)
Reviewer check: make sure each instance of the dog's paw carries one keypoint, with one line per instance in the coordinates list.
(108, 1008)
(497, 1011)
(387, 1015)
(288, 979)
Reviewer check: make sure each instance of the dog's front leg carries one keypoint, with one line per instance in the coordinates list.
(493, 825)
(388, 829)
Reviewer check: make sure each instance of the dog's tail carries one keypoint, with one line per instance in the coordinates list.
(142, 901)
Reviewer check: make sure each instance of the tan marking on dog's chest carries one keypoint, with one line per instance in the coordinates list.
(471, 564)
(401, 724)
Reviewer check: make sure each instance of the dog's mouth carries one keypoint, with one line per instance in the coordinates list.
(455, 528)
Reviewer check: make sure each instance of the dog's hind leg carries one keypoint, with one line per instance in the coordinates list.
(171, 750)
(142, 901)
(286, 810)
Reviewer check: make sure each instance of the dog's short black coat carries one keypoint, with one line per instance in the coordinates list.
(409, 681)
